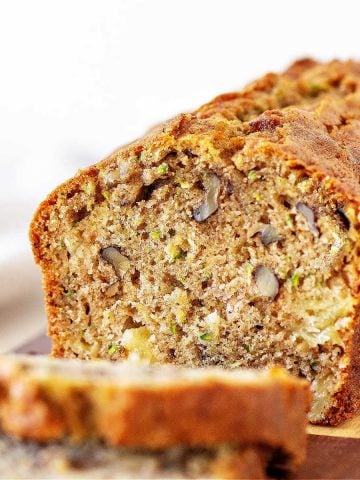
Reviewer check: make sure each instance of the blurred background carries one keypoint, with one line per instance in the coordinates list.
(80, 77)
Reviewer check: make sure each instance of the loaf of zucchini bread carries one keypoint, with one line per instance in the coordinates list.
(152, 407)
(228, 236)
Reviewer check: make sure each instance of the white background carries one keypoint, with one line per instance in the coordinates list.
(80, 77)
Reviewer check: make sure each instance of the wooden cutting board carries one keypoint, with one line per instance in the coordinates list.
(333, 452)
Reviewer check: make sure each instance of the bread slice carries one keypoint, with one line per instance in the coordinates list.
(154, 407)
(63, 460)
(228, 236)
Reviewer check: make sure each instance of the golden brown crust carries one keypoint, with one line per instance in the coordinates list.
(213, 413)
(300, 66)
(302, 140)
(205, 408)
